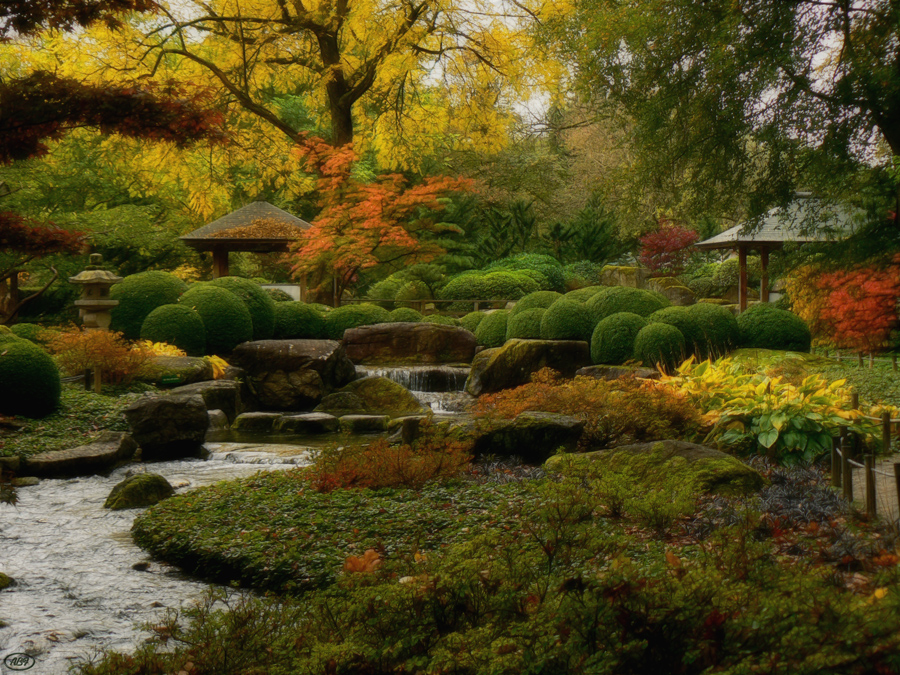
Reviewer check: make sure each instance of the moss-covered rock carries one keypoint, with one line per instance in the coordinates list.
(491, 332)
(567, 320)
(372, 396)
(471, 320)
(525, 325)
(6, 581)
(694, 336)
(143, 489)
(173, 371)
(351, 316)
(659, 344)
(719, 327)
(225, 317)
(405, 314)
(138, 295)
(624, 275)
(278, 295)
(532, 436)
(536, 300)
(663, 463)
(612, 341)
(766, 327)
(513, 364)
(29, 379)
(258, 302)
(614, 299)
(177, 325)
(298, 320)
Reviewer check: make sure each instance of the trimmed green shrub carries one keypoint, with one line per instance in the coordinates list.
(138, 295)
(6, 334)
(567, 320)
(31, 384)
(351, 316)
(727, 274)
(694, 335)
(547, 265)
(260, 305)
(225, 317)
(177, 325)
(536, 300)
(612, 341)
(28, 331)
(441, 319)
(584, 294)
(384, 292)
(320, 308)
(719, 326)
(525, 325)
(614, 299)
(766, 327)
(488, 286)
(298, 320)
(583, 273)
(491, 331)
(413, 290)
(704, 287)
(659, 344)
(471, 320)
(278, 295)
(406, 314)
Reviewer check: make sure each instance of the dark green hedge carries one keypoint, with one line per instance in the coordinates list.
(525, 325)
(547, 265)
(225, 316)
(584, 294)
(500, 285)
(406, 314)
(298, 320)
(612, 341)
(441, 319)
(259, 304)
(536, 300)
(694, 336)
(491, 331)
(766, 327)
(138, 295)
(471, 320)
(28, 331)
(177, 325)
(567, 320)
(614, 299)
(659, 344)
(350, 316)
(30, 379)
(719, 326)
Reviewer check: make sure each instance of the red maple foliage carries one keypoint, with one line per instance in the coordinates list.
(665, 252)
(363, 224)
(25, 17)
(860, 309)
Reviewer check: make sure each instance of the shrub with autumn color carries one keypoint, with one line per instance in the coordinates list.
(615, 412)
(119, 361)
(666, 251)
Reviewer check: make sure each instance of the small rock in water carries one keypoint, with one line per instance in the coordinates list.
(144, 489)
(141, 566)
(6, 581)
(25, 481)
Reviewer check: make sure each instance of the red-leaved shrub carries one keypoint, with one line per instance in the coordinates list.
(666, 251)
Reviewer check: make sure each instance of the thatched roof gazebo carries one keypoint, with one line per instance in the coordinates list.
(257, 228)
(780, 226)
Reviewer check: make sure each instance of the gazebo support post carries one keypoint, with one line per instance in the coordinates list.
(764, 282)
(303, 288)
(220, 263)
(742, 283)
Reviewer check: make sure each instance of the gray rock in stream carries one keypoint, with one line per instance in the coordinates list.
(308, 423)
(168, 426)
(101, 456)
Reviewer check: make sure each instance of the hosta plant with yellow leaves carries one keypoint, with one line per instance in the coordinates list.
(753, 412)
(218, 366)
(160, 348)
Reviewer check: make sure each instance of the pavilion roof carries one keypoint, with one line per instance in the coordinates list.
(259, 226)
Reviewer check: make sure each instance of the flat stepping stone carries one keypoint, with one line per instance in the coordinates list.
(256, 421)
(308, 423)
(362, 424)
(110, 450)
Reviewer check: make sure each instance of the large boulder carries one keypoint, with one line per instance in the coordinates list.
(708, 470)
(617, 275)
(142, 489)
(513, 364)
(406, 342)
(101, 456)
(293, 374)
(224, 395)
(532, 436)
(168, 426)
(677, 293)
(372, 396)
(174, 371)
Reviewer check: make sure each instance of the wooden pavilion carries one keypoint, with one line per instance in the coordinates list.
(805, 220)
(258, 227)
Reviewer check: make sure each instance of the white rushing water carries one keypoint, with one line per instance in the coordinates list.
(81, 584)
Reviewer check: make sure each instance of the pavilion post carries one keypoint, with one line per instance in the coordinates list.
(764, 282)
(742, 284)
(220, 262)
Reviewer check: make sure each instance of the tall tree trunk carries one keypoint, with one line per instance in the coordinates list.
(341, 123)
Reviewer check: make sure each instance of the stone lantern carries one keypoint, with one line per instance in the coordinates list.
(95, 303)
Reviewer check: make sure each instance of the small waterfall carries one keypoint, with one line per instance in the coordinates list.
(421, 378)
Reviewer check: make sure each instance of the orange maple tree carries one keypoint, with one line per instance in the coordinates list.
(363, 224)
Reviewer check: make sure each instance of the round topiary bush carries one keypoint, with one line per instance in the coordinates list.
(488, 286)
(350, 316)
(441, 319)
(536, 300)
(659, 344)
(614, 299)
(31, 385)
(406, 314)
(704, 287)
(413, 290)
(727, 274)
(278, 295)
(584, 294)
(694, 336)
(298, 321)
(225, 317)
(28, 331)
(491, 332)
(471, 320)
(719, 326)
(525, 325)
(612, 341)
(567, 320)
(177, 325)
(138, 295)
(581, 274)
(259, 304)
(547, 265)
(766, 327)
(383, 292)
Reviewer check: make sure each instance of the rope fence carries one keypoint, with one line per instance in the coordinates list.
(844, 450)
(859, 358)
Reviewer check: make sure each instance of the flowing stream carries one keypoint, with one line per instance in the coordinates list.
(81, 584)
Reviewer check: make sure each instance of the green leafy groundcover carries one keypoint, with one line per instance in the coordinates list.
(275, 532)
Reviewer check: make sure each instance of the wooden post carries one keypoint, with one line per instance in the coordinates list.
(220, 263)
(846, 472)
(87, 379)
(826, 352)
(886, 432)
(98, 380)
(859, 358)
(854, 401)
(742, 283)
(835, 463)
(764, 281)
(871, 360)
(897, 479)
(870, 486)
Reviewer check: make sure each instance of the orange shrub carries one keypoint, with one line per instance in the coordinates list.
(77, 350)
(615, 412)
